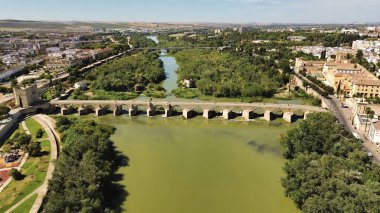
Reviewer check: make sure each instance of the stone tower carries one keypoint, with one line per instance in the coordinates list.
(26, 96)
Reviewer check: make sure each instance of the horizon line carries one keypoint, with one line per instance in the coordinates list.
(263, 23)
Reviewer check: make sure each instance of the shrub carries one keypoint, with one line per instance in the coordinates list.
(39, 133)
(16, 175)
(34, 148)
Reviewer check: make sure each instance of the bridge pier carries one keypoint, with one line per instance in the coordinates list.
(168, 112)
(132, 111)
(227, 114)
(118, 110)
(208, 114)
(289, 117)
(82, 111)
(187, 113)
(65, 111)
(247, 114)
(52, 109)
(99, 111)
(150, 112)
(268, 115)
(306, 114)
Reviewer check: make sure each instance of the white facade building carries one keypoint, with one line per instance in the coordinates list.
(374, 133)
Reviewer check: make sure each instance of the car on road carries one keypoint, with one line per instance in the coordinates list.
(356, 135)
(370, 154)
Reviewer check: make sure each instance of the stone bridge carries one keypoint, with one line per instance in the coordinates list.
(188, 110)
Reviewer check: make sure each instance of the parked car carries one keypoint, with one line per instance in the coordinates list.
(356, 135)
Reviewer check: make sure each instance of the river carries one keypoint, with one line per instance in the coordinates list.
(200, 165)
(170, 67)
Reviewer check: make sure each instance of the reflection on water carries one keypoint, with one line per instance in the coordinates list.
(265, 148)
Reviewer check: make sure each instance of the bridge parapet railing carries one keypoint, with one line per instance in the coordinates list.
(182, 104)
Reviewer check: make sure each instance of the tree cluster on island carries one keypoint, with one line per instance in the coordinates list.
(228, 75)
(128, 74)
(327, 170)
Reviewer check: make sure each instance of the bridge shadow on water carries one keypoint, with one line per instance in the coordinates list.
(117, 193)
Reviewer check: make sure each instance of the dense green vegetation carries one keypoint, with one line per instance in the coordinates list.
(82, 179)
(228, 75)
(311, 100)
(4, 112)
(23, 141)
(185, 93)
(122, 75)
(316, 85)
(327, 170)
(141, 41)
(5, 90)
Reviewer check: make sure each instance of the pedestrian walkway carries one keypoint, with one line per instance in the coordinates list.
(42, 190)
(26, 130)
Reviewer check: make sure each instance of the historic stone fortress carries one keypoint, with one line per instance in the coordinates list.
(351, 79)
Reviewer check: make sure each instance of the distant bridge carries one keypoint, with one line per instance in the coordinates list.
(173, 48)
(188, 110)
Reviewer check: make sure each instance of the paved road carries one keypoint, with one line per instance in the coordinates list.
(344, 117)
(42, 190)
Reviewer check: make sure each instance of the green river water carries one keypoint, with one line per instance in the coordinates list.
(200, 166)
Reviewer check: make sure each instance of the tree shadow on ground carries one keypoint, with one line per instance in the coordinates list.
(41, 154)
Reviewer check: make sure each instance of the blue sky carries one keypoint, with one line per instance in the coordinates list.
(233, 11)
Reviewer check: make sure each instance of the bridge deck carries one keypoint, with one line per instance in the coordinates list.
(183, 104)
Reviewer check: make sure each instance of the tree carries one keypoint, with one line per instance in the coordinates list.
(305, 85)
(14, 83)
(323, 54)
(327, 170)
(39, 133)
(16, 175)
(82, 178)
(4, 112)
(34, 148)
(359, 56)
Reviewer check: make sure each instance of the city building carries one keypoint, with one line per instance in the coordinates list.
(310, 67)
(353, 79)
(59, 63)
(296, 38)
(80, 85)
(374, 133)
(365, 88)
(26, 96)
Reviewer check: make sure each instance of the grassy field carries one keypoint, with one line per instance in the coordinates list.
(34, 171)
(26, 206)
(33, 127)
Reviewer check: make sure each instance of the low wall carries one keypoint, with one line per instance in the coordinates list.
(16, 115)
